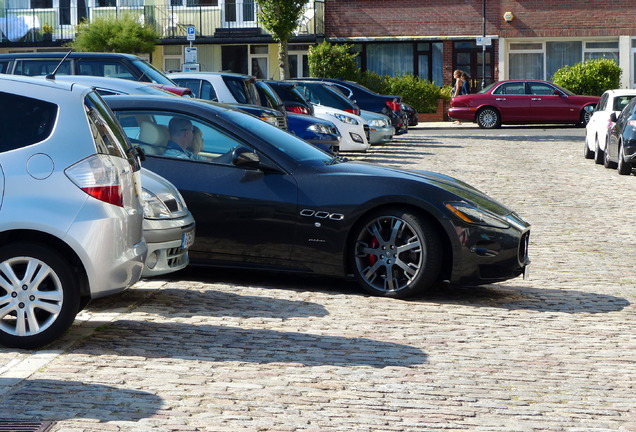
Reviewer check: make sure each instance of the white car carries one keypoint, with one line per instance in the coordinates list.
(596, 129)
(353, 128)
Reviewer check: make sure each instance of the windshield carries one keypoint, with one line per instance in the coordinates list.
(287, 143)
(151, 73)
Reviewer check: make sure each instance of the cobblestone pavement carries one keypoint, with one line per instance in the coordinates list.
(212, 350)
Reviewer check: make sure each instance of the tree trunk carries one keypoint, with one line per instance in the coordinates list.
(283, 60)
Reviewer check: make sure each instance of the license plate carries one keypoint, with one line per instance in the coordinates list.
(187, 239)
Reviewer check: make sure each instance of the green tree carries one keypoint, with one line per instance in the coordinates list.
(590, 77)
(332, 61)
(281, 18)
(122, 34)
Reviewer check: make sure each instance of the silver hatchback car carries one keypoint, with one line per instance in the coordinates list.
(70, 208)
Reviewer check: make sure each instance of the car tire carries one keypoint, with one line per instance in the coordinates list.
(587, 153)
(585, 117)
(488, 118)
(599, 154)
(624, 168)
(607, 163)
(398, 243)
(39, 295)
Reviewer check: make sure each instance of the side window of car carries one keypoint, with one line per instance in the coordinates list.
(347, 92)
(237, 88)
(4, 66)
(103, 68)
(541, 89)
(38, 67)
(511, 89)
(24, 121)
(621, 102)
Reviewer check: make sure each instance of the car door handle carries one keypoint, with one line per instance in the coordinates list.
(500, 99)
(535, 99)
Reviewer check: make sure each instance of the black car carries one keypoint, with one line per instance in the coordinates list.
(411, 114)
(264, 199)
(390, 106)
(113, 65)
(620, 147)
(293, 100)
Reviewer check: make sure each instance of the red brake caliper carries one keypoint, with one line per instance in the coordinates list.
(374, 244)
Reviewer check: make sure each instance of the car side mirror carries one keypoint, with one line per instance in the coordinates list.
(613, 117)
(245, 158)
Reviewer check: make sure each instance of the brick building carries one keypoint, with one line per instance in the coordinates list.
(522, 39)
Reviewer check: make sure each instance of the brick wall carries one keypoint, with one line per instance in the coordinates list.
(533, 18)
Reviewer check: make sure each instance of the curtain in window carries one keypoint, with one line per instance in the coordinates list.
(390, 59)
(526, 66)
(559, 54)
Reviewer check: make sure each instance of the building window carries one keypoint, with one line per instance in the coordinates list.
(390, 59)
(259, 61)
(298, 61)
(526, 61)
(172, 58)
(594, 50)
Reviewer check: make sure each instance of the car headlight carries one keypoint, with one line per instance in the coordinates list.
(345, 119)
(269, 119)
(476, 216)
(154, 207)
(319, 128)
(377, 123)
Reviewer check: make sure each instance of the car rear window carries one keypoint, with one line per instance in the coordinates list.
(107, 133)
(238, 88)
(24, 121)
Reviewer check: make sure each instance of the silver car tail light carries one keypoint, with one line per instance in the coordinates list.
(99, 177)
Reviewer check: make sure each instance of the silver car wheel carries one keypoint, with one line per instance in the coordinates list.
(488, 118)
(396, 254)
(33, 296)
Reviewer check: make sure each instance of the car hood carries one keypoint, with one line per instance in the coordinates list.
(417, 183)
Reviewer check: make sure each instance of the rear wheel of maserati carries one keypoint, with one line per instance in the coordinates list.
(396, 253)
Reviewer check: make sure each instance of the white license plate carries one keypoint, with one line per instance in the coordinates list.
(187, 239)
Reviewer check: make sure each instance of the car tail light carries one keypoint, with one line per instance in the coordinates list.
(632, 123)
(298, 110)
(394, 105)
(99, 177)
(353, 111)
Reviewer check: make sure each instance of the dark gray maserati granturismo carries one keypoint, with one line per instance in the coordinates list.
(264, 199)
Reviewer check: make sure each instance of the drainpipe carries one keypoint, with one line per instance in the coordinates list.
(483, 47)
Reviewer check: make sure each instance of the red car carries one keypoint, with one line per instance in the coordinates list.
(522, 102)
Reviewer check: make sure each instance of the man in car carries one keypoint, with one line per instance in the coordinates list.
(181, 139)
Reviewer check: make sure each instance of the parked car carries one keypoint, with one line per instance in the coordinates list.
(522, 102)
(265, 199)
(354, 130)
(596, 131)
(168, 225)
(321, 93)
(380, 129)
(412, 116)
(236, 89)
(620, 151)
(115, 65)
(366, 99)
(70, 208)
(321, 133)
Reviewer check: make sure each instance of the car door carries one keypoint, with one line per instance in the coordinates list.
(242, 215)
(512, 101)
(550, 105)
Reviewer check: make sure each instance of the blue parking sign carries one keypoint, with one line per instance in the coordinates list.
(191, 32)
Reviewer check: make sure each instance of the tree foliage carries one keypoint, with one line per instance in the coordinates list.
(281, 18)
(122, 34)
(590, 77)
(332, 61)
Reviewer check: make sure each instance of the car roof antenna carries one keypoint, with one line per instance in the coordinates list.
(51, 76)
